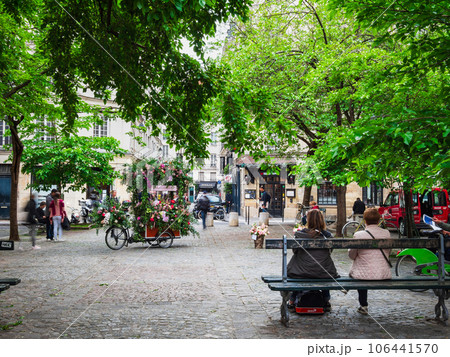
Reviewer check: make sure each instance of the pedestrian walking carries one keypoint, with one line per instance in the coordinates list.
(49, 225)
(32, 220)
(358, 207)
(370, 264)
(57, 214)
(264, 199)
(203, 206)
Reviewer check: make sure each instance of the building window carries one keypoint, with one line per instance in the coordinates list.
(326, 194)
(201, 176)
(213, 138)
(372, 195)
(213, 160)
(212, 176)
(4, 140)
(101, 130)
(165, 152)
(180, 156)
(45, 129)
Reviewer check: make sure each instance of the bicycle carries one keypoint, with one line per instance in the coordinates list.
(419, 262)
(351, 227)
(117, 237)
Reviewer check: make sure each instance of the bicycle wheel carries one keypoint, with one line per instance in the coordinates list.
(351, 228)
(405, 268)
(392, 228)
(165, 239)
(116, 237)
(220, 214)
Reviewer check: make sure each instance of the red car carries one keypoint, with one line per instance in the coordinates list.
(434, 203)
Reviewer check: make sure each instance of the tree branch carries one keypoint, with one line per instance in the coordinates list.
(318, 19)
(19, 87)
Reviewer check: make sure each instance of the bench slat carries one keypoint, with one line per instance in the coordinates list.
(279, 279)
(10, 281)
(345, 243)
(360, 284)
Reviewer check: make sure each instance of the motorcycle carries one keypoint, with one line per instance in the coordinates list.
(75, 216)
(87, 206)
(219, 212)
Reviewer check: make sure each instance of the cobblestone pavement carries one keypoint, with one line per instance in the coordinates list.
(207, 287)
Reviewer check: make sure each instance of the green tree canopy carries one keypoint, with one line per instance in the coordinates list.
(131, 50)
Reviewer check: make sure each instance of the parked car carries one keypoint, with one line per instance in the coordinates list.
(434, 203)
(216, 206)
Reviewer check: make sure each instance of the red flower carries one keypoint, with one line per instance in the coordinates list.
(173, 201)
(103, 215)
(189, 223)
(152, 220)
(171, 206)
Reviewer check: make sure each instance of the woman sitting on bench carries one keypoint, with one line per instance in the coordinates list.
(370, 264)
(312, 263)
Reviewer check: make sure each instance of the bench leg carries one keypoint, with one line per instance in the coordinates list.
(284, 309)
(440, 308)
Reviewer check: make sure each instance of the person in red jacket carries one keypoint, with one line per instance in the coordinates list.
(57, 214)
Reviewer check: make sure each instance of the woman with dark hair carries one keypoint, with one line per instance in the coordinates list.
(57, 214)
(312, 263)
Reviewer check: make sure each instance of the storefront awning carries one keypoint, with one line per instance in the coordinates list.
(207, 184)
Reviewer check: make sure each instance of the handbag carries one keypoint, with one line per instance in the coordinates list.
(65, 224)
(381, 250)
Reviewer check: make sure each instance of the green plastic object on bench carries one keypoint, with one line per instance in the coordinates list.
(4, 287)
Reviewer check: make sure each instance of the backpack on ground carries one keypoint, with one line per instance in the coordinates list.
(311, 302)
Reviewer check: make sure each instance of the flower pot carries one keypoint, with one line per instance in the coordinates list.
(259, 242)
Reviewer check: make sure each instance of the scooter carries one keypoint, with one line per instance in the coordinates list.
(87, 207)
(419, 261)
(75, 216)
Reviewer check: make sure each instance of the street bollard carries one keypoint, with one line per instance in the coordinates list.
(233, 219)
(264, 218)
(209, 219)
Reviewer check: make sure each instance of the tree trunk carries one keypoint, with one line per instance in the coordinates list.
(17, 150)
(341, 218)
(410, 226)
(307, 196)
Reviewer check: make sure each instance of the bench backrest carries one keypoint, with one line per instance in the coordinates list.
(345, 243)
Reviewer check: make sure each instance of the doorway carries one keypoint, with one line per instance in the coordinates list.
(5, 196)
(275, 189)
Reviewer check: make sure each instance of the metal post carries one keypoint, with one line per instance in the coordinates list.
(441, 258)
(284, 269)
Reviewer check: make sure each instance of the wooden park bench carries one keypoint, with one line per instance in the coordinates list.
(5, 283)
(285, 285)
